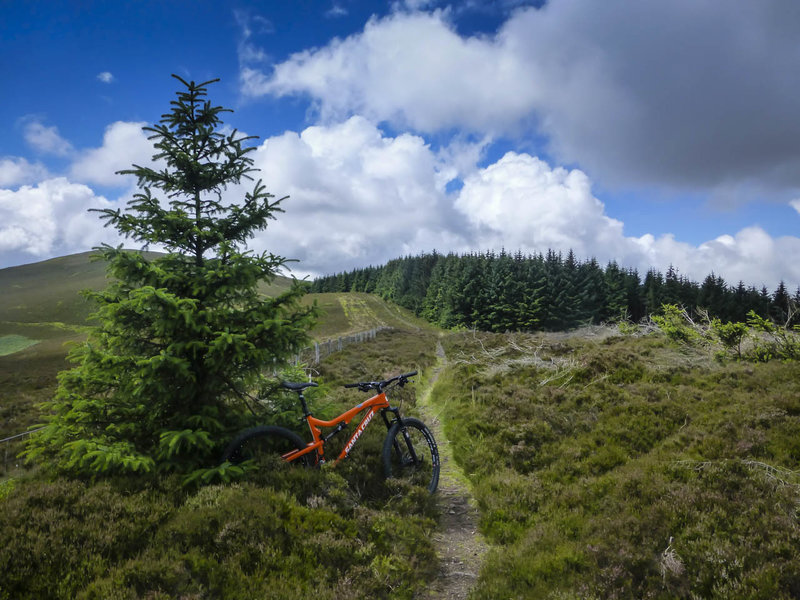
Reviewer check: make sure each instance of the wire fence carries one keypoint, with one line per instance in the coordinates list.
(314, 354)
(10, 444)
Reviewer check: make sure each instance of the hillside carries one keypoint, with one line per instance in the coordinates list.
(41, 310)
(49, 291)
(46, 297)
(603, 464)
(626, 467)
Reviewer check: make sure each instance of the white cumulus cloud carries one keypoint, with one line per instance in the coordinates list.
(520, 202)
(356, 196)
(51, 219)
(16, 170)
(124, 144)
(46, 140)
(413, 69)
(635, 93)
(105, 77)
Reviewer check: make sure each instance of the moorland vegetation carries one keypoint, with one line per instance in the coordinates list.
(605, 464)
(626, 467)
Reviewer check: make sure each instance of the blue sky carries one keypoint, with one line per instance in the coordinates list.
(651, 134)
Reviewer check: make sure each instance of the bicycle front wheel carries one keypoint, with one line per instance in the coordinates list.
(410, 452)
(267, 446)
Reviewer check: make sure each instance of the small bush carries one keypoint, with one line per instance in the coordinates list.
(676, 324)
(773, 341)
(730, 335)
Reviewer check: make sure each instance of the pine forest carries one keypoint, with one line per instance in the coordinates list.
(549, 292)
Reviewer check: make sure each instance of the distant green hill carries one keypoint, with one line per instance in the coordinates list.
(46, 296)
(41, 310)
(49, 291)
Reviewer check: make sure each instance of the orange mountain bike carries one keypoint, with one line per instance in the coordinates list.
(409, 450)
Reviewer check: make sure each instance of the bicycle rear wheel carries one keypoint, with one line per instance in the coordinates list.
(267, 446)
(410, 452)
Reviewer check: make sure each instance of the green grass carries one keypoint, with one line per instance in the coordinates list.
(627, 468)
(9, 344)
(352, 312)
(49, 291)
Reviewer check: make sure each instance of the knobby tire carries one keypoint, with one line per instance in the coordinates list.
(398, 460)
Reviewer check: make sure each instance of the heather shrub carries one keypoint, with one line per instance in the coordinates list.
(626, 468)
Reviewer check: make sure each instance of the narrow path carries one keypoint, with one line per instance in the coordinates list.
(458, 543)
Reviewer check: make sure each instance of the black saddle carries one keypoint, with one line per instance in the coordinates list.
(299, 386)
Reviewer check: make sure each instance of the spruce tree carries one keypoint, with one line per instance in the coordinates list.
(183, 336)
(781, 304)
(615, 307)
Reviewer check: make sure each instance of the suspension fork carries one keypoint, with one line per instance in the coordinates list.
(394, 410)
(403, 430)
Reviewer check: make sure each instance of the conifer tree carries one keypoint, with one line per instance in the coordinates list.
(615, 306)
(653, 291)
(781, 304)
(181, 337)
(592, 291)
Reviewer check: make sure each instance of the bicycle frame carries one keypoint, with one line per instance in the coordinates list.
(378, 403)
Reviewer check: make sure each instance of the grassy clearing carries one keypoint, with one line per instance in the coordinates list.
(626, 468)
(9, 344)
(347, 313)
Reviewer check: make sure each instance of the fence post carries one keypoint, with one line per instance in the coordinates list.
(326, 348)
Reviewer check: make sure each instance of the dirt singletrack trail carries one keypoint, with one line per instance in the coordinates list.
(458, 543)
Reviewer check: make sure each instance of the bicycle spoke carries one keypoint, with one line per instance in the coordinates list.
(410, 453)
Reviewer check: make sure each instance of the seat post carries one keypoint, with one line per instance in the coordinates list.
(298, 389)
(306, 412)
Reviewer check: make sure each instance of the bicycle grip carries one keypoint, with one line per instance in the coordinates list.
(351, 385)
(411, 374)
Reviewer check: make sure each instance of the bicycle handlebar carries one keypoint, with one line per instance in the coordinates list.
(366, 386)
